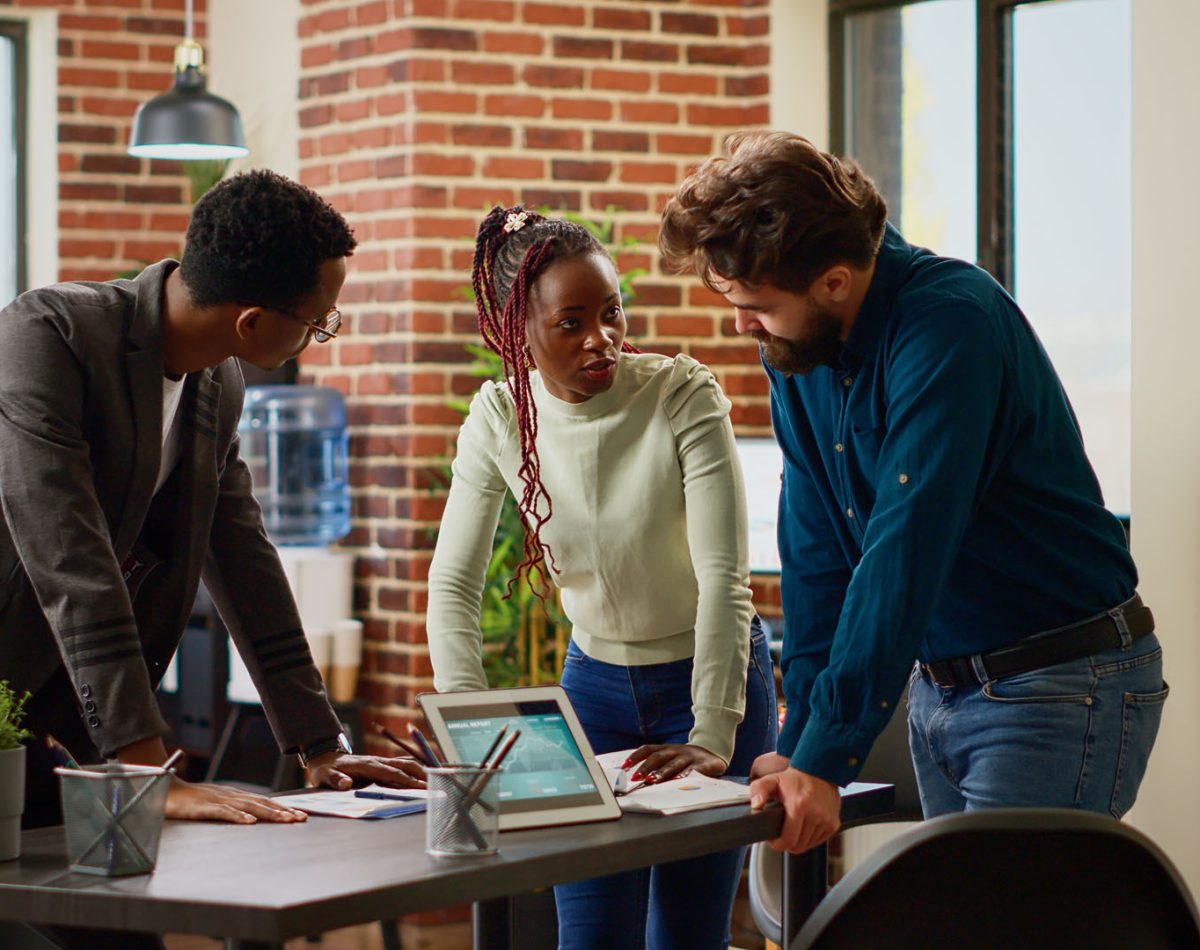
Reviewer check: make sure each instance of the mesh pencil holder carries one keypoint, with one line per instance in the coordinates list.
(463, 816)
(113, 816)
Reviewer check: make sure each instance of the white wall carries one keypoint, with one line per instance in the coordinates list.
(41, 145)
(800, 68)
(1166, 403)
(253, 55)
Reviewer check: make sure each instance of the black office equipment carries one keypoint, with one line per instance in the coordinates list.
(1038, 879)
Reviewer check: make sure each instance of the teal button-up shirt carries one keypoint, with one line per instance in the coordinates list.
(936, 502)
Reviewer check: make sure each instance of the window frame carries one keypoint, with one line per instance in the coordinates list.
(994, 156)
(17, 32)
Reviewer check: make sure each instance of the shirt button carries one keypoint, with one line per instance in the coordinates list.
(849, 512)
(90, 706)
(852, 761)
(93, 721)
(903, 478)
(848, 381)
(85, 691)
(884, 704)
(838, 447)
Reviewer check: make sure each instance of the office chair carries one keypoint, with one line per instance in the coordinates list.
(888, 762)
(996, 879)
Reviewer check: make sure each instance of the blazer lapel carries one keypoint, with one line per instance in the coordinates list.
(144, 364)
(198, 477)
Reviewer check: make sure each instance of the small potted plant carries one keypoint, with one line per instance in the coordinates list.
(12, 770)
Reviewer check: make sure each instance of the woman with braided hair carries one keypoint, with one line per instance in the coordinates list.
(624, 470)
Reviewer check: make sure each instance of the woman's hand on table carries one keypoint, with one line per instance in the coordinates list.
(660, 763)
(342, 771)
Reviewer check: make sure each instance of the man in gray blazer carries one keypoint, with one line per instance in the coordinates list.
(121, 486)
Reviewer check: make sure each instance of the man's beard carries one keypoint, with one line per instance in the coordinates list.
(818, 347)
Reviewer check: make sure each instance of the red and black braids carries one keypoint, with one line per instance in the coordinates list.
(512, 248)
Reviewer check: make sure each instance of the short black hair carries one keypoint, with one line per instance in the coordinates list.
(260, 238)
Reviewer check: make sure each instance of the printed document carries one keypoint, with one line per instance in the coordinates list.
(690, 793)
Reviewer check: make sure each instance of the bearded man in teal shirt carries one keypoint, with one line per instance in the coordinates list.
(939, 521)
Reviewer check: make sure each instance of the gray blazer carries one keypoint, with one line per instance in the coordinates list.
(97, 572)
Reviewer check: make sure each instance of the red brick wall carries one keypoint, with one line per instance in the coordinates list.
(417, 115)
(116, 212)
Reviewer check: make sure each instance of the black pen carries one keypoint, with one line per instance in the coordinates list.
(386, 796)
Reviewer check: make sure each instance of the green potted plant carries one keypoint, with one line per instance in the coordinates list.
(12, 770)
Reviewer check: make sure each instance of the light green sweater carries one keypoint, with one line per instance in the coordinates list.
(648, 531)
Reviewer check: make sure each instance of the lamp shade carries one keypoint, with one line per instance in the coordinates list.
(187, 122)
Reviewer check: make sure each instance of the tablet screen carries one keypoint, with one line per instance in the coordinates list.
(544, 764)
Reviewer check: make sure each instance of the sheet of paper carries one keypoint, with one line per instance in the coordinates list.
(691, 793)
(405, 801)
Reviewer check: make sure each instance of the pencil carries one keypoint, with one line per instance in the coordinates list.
(492, 748)
(395, 740)
(427, 752)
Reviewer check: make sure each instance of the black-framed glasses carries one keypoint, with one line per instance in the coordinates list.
(324, 329)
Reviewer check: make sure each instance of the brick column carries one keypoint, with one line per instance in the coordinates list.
(418, 115)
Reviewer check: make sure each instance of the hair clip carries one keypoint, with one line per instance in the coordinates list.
(515, 221)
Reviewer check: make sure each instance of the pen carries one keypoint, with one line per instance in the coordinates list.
(427, 752)
(386, 796)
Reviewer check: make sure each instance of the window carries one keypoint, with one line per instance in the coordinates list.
(1000, 132)
(12, 164)
(1072, 209)
(910, 117)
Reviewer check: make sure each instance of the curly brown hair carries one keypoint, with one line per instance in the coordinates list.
(776, 211)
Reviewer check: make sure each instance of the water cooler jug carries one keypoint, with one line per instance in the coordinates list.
(294, 440)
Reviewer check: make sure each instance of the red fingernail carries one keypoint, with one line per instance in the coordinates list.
(625, 765)
(637, 776)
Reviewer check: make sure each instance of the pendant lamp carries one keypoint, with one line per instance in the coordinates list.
(187, 121)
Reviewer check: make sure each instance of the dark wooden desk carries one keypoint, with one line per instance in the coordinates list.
(264, 884)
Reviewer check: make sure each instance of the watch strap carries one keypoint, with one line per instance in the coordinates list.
(338, 743)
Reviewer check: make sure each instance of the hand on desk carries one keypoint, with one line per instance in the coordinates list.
(658, 763)
(199, 801)
(811, 805)
(339, 770)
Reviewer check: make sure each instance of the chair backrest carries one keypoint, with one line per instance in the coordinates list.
(889, 762)
(1010, 878)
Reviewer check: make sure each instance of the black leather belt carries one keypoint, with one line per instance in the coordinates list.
(1124, 624)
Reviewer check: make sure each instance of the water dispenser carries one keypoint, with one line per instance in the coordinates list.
(294, 440)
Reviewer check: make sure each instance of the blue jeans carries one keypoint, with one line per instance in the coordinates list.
(685, 905)
(1074, 735)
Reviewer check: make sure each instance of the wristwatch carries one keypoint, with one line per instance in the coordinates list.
(338, 743)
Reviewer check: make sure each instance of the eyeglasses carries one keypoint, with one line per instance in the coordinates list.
(324, 329)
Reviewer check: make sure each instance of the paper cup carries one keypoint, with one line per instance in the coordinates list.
(320, 642)
(326, 588)
(347, 658)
